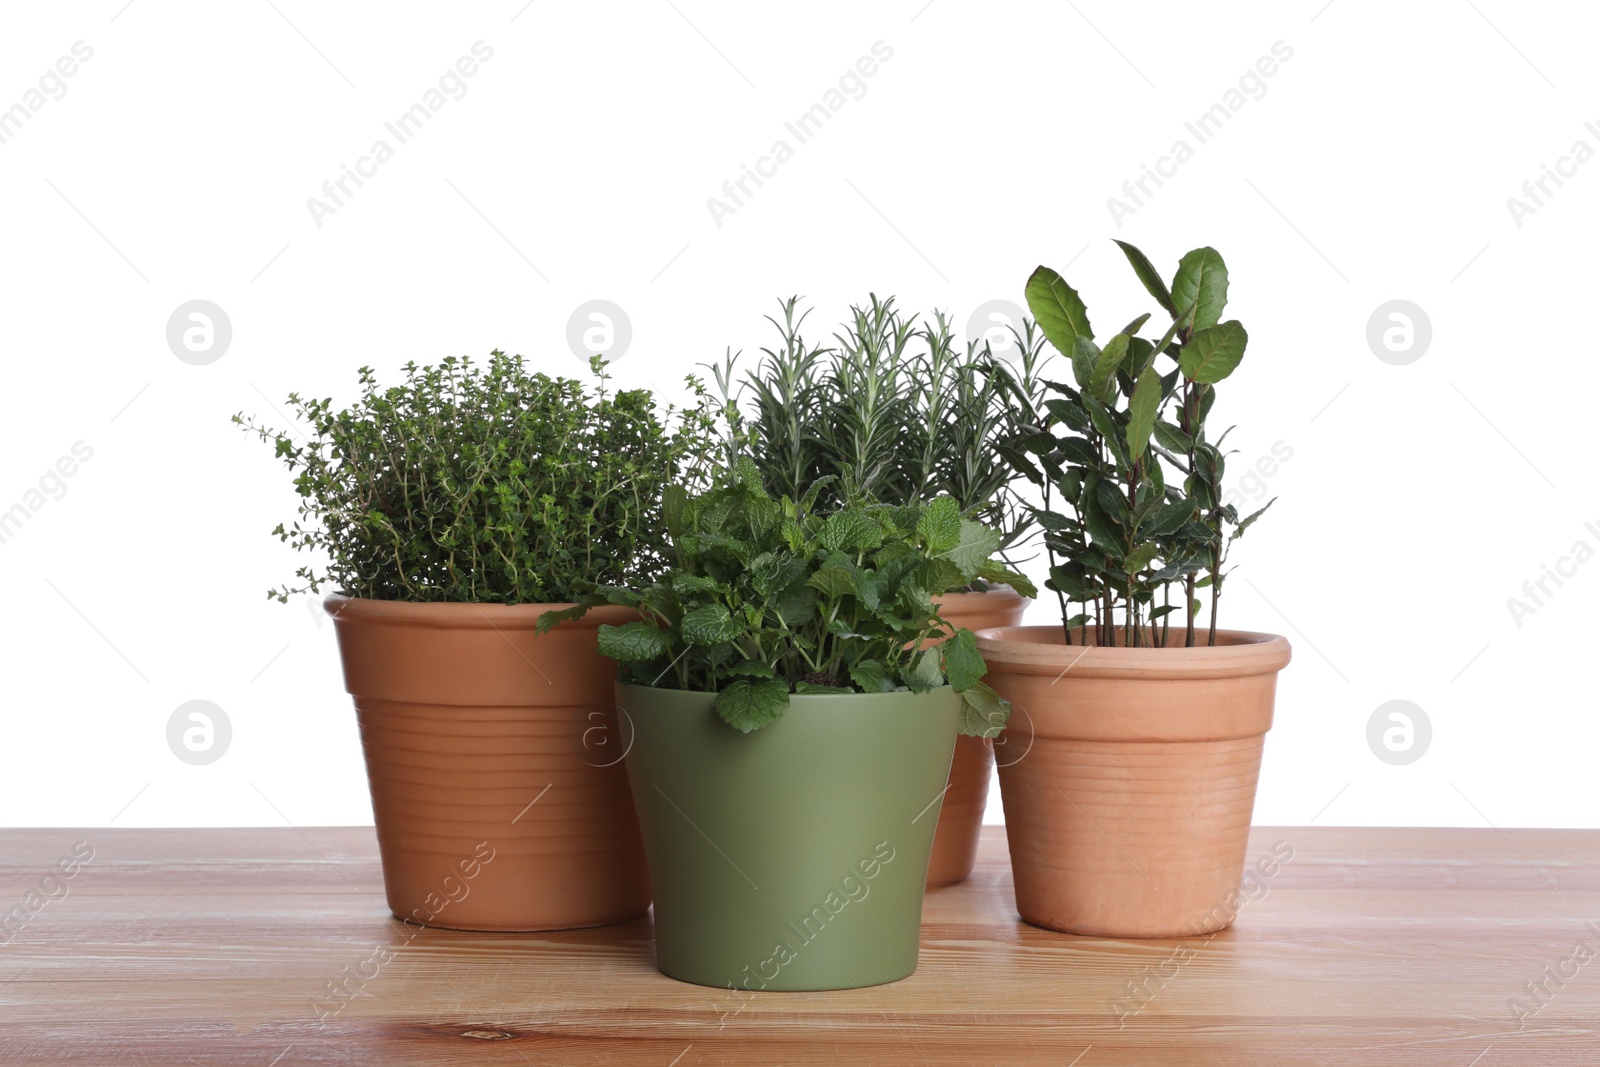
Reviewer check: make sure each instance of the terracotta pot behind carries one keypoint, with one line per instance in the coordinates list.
(955, 841)
(495, 764)
(1131, 776)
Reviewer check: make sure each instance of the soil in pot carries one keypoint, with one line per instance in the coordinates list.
(494, 757)
(793, 857)
(1130, 776)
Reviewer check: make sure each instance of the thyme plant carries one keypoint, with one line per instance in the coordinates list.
(1131, 481)
(486, 483)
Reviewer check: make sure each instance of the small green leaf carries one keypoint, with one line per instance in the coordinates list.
(1171, 437)
(1213, 353)
(632, 642)
(1068, 413)
(1105, 367)
(833, 582)
(849, 531)
(1141, 354)
(871, 677)
(1085, 353)
(1245, 523)
(687, 584)
(708, 625)
(1149, 276)
(1168, 519)
(551, 619)
(1105, 535)
(1202, 280)
(963, 665)
(984, 713)
(1103, 423)
(1058, 309)
(939, 575)
(1134, 326)
(1182, 322)
(817, 689)
(925, 673)
(977, 543)
(1142, 412)
(1140, 558)
(753, 668)
(940, 524)
(998, 573)
(749, 704)
(673, 499)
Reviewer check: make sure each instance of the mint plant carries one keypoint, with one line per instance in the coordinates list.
(1131, 482)
(896, 409)
(767, 597)
(486, 483)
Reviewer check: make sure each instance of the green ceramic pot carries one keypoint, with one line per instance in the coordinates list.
(794, 857)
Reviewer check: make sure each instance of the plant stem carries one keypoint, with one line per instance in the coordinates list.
(1216, 591)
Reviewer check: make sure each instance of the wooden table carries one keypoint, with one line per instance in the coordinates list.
(1367, 947)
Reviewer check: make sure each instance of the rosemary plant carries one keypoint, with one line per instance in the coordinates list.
(896, 409)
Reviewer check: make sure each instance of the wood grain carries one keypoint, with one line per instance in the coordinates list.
(1368, 946)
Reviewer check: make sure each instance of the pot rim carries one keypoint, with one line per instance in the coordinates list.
(463, 615)
(997, 591)
(1039, 650)
(793, 697)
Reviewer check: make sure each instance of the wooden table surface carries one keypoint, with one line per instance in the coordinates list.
(1367, 946)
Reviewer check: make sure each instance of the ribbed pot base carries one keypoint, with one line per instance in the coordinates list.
(1131, 839)
(489, 818)
(494, 755)
(1130, 777)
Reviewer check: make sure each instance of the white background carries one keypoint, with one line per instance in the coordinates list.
(1375, 166)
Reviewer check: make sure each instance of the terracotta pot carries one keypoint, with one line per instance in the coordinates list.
(495, 764)
(1130, 775)
(955, 842)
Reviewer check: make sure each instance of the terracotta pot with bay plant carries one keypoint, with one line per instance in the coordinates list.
(896, 408)
(453, 512)
(791, 734)
(1142, 725)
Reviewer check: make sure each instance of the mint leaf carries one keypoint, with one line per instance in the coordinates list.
(871, 677)
(817, 689)
(834, 580)
(753, 668)
(633, 642)
(749, 704)
(850, 531)
(963, 664)
(984, 713)
(977, 543)
(709, 625)
(925, 673)
(940, 524)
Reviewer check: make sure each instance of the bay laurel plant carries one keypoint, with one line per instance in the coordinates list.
(1129, 476)
(486, 483)
(772, 596)
(894, 407)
